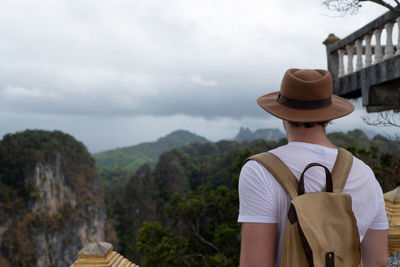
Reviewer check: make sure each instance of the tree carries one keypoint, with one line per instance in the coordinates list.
(352, 6)
(202, 231)
(385, 119)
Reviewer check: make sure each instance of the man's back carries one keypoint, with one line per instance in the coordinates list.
(263, 200)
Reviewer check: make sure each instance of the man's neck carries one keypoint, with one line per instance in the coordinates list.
(314, 135)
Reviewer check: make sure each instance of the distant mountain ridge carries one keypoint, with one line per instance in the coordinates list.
(359, 139)
(132, 157)
(245, 134)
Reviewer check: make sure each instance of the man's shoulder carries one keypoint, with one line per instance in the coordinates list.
(361, 166)
(278, 149)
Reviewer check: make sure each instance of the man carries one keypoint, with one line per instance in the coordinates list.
(305, 104)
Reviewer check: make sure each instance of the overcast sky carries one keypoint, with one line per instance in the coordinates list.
(117, 73)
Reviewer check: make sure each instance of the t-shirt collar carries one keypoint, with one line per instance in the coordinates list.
(313, 146)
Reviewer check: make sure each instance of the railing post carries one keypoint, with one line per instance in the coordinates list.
(349, 49)
(359, 63)
(341, 63)
(333, 58)
(378, 47)
(389, 49)
(398, 37)
(368, 50)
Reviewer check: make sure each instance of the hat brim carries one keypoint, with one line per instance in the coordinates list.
(339, 108)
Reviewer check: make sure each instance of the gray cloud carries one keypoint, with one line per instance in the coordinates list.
(85, 64)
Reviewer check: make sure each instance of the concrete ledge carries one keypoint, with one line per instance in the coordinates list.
(377, 84)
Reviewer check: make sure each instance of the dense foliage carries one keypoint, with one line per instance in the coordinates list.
(181, 212)
(184, 211)
(192, 194)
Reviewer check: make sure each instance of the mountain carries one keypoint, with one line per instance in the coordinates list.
(132, 157)
(370, 133)
(245, 134)
(358, 139)
(51, 201)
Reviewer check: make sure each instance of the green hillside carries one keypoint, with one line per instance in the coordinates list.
(129, 159)
(183, 211)
(358, 139)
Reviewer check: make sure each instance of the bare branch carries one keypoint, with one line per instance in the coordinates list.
(342, 6)
(196, 232)
(384, 119)
(352, 6)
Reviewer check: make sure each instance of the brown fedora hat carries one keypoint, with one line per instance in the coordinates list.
(306, 96)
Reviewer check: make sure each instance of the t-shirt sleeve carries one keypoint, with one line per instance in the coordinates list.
(380, 221)
(256, 197)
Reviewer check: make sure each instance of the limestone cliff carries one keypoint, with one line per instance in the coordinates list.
(51, 202)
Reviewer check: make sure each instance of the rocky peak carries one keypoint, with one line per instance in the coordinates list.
(245, 134)
(54, 191)
(58, 205)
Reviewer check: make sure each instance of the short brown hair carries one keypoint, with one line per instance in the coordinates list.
(309, 124)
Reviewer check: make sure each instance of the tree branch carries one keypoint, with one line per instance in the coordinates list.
(185, 261)
(196, 232)
(385, 119)
(352, 6)
(342, 6)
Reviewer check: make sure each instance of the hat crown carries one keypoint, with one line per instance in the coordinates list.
(307, 75)
(307, 84)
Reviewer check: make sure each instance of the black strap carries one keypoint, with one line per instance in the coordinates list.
(304, 104)
(330, 259)
(329, 186)
(306, 247)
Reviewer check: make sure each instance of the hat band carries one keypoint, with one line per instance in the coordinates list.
(304, 104)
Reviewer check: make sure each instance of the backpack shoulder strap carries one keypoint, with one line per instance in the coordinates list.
(279, 170)
(341, 169)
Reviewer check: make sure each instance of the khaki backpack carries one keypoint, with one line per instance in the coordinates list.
(321, 229)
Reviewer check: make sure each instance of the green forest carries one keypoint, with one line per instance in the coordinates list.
(183, 211)
(178, 209)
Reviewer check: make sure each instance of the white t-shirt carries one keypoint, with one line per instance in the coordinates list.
(263, 200)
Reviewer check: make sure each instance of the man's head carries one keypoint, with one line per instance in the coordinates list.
(305, 98)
